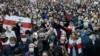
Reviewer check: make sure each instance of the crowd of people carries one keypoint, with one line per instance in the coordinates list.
(65, 28)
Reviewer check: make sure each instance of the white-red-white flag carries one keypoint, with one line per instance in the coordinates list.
(11, 20)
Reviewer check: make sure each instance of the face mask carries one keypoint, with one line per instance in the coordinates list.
(34, 22)
(36, 42)
(31, 49)
(85, 30)
(92, 37)
(79, 18)
(85, 24)
(12, 45)
(51, 44)
(62, 24)
(19, 24)
(24, 39)
(79, 34)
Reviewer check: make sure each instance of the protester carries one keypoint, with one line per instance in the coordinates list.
(59, 51)
(32, 50)
(75, 45)
(23, 44)
(49, 27)
(93, 46)
(9, 50)
(17, 52)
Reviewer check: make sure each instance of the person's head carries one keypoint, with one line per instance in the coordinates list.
(27, 32)
(41, 34)
(57, 51)
(34, 35)
(71, 24)
(34, 22)
(31, 47)
(74, 35)
(93, 36)
(12, 41)
(80, 17)
(62, 39)
(45, 53)
(62, 23)
(17, 52)
(51, 44)
(23, 38)
(3, 38)
(2, 35)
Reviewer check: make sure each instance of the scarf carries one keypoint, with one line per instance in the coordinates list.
(78, 43)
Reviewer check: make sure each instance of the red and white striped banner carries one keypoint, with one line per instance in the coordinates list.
(11, 20)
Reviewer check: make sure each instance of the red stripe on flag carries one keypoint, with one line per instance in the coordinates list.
(79, 45)
(9, 22)
(26, 25)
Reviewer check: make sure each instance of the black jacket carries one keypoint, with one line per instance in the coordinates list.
(93, 49)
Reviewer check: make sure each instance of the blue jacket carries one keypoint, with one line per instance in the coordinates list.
(24, 46)
(44, 15)
(85, 37)
(9, 51)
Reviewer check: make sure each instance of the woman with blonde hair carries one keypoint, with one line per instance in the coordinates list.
(75, 45)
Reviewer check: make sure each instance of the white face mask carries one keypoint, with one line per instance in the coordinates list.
(51, 44)
(24, 39)
(78, 33)
(31, 49)
(85, 30)
(80, 18)
(92, 37)
(12, 45)
(61, 24)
